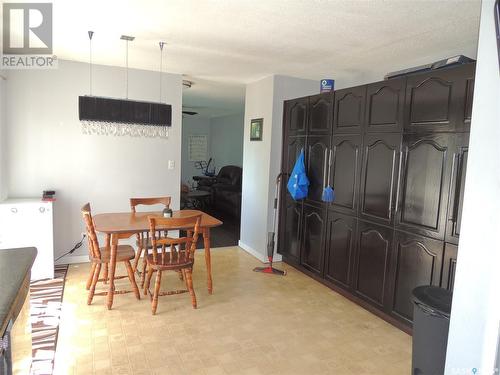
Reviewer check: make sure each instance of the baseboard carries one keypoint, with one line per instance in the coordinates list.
(73, 259)
(257, 254)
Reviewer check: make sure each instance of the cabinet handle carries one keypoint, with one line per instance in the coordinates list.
(13, 210)
(399, 181)
(455, 176)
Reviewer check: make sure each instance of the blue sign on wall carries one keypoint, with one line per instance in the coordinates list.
(327, 85)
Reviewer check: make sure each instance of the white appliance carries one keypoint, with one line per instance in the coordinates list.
(29, 222)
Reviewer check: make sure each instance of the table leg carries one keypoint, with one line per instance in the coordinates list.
(112, 268)
(208, 261)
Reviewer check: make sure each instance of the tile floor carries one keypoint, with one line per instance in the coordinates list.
(252, 324)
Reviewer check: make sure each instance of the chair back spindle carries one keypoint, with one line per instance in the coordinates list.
(180, 248)
(94, 251)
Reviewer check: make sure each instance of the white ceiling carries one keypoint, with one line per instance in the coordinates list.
(234, 42)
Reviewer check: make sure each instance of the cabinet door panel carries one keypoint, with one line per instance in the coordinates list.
(379, 176)
(320, 114)
(424, 184)
(313, 239)
(439, 100)
(456, 200)
(296, 116)
(293, 147)
(345, 172)
(449, 266)
(373, 254)
(317, 160)
(417, 261)
(339, 247)
(385, 104)
(291, 229)
(349, 110)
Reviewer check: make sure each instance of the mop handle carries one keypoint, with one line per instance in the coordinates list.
(329, 165)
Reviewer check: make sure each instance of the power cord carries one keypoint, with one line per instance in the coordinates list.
(77, 246)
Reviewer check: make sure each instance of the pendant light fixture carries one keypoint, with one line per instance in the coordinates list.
(107, 116)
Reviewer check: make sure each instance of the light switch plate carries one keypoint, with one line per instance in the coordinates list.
(171, 164)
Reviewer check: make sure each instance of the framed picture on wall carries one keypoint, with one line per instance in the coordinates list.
(256, 129)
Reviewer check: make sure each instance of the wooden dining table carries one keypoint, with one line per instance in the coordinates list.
(115, 224)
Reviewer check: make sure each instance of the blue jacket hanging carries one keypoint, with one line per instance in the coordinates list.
(298, 182)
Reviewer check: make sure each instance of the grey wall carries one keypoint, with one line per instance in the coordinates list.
(262, 159)
(192, 125)
(226, 140)
(475, 313)
(46, 148)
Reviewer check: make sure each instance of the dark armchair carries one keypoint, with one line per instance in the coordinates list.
(225, 189)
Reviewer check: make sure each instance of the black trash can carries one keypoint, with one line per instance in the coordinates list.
(431, 320)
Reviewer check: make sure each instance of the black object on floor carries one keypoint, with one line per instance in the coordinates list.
(431, 320)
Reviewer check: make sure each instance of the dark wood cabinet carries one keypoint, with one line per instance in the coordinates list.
(313, 238)
(456, 199)
(345, 172)
(295, 116)
(372, 262)
(424, 183)
(449, 266)
(439, 100)
(320, 114)
(290, 230)
(318, 148)
(385, 106)
(349, 111)
(395, 153)
(416, 261)
(339, 248)
(379, 176)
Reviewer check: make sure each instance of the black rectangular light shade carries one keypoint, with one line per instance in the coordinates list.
(93, 108)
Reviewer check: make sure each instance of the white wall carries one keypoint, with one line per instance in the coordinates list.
(193, 125)
(262, 159)
(226, 140)
(475, 314)
(47, 150)
(3, 141)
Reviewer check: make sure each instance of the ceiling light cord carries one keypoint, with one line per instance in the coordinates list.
(91, 34)
(161, 65)
(126, 69)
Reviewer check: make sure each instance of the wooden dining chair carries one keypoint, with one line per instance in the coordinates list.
(179, 259)
(143, 241)
(102, 255)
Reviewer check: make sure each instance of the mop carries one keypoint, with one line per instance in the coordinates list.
(270, 239)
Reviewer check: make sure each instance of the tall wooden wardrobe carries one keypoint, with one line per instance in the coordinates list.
(396, 155)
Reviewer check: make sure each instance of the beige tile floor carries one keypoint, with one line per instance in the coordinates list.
(252, 324)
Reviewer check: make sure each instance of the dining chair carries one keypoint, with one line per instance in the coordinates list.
(179, 259)
(143, 241)
(102, 255)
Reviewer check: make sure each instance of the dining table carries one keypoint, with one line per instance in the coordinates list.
(116, 225)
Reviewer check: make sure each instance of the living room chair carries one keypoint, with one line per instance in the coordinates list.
(143, 241)
(179, 259)
(102, 255)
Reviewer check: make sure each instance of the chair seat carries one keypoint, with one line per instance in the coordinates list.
(164, 261)
(124, 252)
